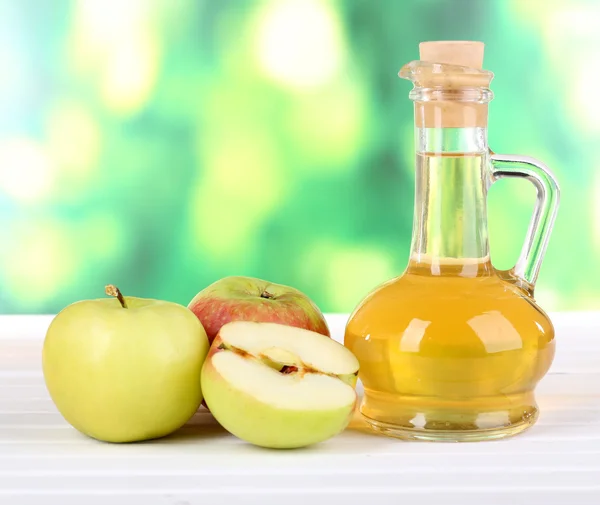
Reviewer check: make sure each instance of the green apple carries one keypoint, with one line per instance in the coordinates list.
(125, 369)
(238, 298)
(278, 386)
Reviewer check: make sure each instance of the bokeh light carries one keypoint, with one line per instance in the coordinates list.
(42, 258)
(25, 170)
(299, 42)
(162, 145)
(233, 198)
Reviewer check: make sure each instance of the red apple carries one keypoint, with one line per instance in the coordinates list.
(249, 299)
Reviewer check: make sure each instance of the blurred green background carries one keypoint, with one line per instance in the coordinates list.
(160, 145)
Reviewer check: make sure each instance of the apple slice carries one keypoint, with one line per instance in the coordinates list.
(279, 386)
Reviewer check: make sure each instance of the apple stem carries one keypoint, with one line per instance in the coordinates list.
(267, 295)
(111, 290)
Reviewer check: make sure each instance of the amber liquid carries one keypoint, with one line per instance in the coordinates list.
(449, 350)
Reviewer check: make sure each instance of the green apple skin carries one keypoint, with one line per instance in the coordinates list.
(261, 424)
(238, 298)
(125, 374)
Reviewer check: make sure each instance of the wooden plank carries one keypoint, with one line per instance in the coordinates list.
(45, 461)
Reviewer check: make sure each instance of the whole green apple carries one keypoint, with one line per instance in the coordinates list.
(238, 298)
(125, 369)
(278, 386)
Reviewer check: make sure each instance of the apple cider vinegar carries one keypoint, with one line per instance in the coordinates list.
(453, 349)
(450, 350)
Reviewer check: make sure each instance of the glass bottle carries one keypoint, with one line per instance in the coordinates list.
(453, 348)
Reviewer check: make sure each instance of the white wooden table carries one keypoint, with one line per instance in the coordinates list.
(557, 462)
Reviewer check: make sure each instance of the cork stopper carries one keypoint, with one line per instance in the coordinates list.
(464, 53)
(451, 87)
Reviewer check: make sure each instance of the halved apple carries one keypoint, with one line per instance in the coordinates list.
(278, 386)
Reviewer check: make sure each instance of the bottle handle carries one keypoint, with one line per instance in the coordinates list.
(526, 270)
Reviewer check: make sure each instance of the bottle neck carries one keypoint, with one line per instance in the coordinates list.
(450, 220)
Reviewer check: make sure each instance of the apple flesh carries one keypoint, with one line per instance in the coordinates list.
(249, 299)
(279, 386)
(125, 370)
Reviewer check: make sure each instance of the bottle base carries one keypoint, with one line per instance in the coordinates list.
(476, 419)
(425, 435)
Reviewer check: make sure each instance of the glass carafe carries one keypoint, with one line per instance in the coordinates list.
(453, 348)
